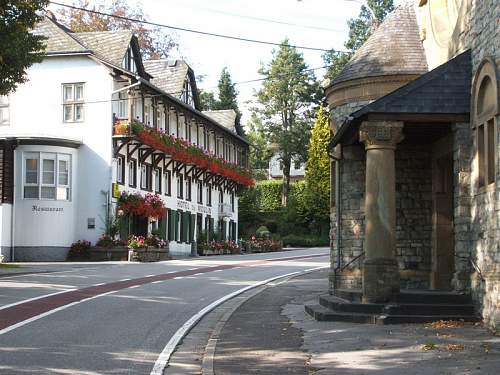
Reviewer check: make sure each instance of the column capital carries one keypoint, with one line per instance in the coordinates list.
(381, 134)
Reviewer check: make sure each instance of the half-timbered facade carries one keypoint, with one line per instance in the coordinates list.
(91, 124)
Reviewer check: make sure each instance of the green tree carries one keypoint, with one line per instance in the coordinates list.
(228, 98)
(19, 48)
(154, 42)
(360, 29)
(286, 100)
(207, 100)
(259, 148)
(317, 190)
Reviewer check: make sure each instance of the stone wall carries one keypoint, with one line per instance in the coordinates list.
(413, 216)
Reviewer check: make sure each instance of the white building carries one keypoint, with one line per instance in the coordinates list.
(297, 169)
(62, 165)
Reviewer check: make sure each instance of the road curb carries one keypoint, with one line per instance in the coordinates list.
(207, 367)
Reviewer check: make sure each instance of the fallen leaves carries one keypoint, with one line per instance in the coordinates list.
(429, 346)
(455, 347)
(446, 324)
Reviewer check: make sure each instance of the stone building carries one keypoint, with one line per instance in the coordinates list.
(415, 170)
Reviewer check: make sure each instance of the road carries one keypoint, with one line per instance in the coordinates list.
(118, 318)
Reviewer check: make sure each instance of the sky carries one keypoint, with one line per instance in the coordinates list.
(311, 23)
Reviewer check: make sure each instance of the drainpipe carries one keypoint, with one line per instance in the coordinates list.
(12, 212)
(338, 209)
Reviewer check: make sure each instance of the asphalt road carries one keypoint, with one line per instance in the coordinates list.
(117, 318)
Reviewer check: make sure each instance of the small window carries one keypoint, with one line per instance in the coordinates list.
(4, 110)
(209, 195)
(73, 94)
(146, 177)
(157, 174)
(232, 202)
(132, 173)
(200, 192)
(188, 188)
(180, 186)
(296, 164)
(120, 170)
(168, 183)
(122, 105)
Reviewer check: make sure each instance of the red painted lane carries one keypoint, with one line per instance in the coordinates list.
(19, 313)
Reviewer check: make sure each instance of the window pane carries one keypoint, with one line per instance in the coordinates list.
(68, 113)
(68, 93)
(48, 172)
(31, 192)
(78, 112)
(48, 192)
(480, 154)
(79, 92)
(63, 172)
(62, 193)
(4, 115)
(31, 171)
(491, 152)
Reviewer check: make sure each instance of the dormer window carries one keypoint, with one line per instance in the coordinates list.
(187, 93)
(4, 110)
(129, 62)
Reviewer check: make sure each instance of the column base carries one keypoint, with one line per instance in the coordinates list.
(380, 280)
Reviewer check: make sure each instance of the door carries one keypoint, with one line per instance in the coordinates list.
(443, 243)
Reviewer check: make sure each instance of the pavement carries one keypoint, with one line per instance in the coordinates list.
(267, 332)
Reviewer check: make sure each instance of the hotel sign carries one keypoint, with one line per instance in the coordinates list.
(183, 205)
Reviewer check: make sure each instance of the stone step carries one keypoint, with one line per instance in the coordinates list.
(429, 309)
(404, 319)
(323, 314)
(412, 296)
(337, 304)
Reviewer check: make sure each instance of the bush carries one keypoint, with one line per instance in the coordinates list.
(79, 250)
(263, 232)
(263, 246)
(294, 240)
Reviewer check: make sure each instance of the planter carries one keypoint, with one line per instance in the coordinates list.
(148, 255)
(99, 254)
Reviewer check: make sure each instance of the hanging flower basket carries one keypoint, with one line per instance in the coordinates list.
(149, 206)
(187, 153)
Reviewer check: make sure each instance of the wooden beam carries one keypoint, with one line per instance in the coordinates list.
(157, 157)
(165, 166)
(130, 153)
(144, 153)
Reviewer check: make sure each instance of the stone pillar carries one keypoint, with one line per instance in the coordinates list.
(380, 267)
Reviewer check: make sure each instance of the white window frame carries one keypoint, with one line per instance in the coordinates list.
(120, 169)
(57, 184)
(157, 182)
(4, 111)
(73, 102)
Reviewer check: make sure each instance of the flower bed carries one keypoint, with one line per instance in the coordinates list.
(219, 248)
(255, 245)
(147, 249)
(184, 152)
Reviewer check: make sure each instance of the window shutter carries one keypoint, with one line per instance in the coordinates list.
(191, 227)
(176, 226)
(124, 227)
(163, 228)
(171, 223)
(224, 230)
(211, 228)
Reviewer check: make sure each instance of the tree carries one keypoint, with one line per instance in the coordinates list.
(207, 100)
(360, 29)
(20, 48)
(287, 97)
(259, 148)
(154, 42)
(317, 190)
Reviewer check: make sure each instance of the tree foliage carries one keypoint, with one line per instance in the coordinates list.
(207, 100)
(317, 191)
(286, 100)
(19, 48)
(360, 29)
(154, 42)
(259, 148)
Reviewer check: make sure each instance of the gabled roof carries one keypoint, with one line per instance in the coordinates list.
(107, 45)
(169, 75)
(446, 90)
(393, 48)
(225, 117)
(58, 41)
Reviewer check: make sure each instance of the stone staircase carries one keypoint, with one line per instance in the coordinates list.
(407, 307)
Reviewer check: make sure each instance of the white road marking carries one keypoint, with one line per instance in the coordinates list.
(178, 277)
(124, 279)
(24, 322)
(35, 298)
(157, 282)
(162, 361)
(99, 284)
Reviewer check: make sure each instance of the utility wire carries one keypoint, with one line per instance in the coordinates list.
(145, 22)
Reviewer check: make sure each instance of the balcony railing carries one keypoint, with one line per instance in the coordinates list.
(225, 210)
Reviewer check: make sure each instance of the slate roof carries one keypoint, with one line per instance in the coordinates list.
(58, 39)
(168, 75)
(394, 48)
(444, 90)
(107, 45)
(225, 117)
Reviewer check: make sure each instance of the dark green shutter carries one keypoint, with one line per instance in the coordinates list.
(176, 226)
(186, 220)
(163, 228)
(124, 227)
(171, 223)
(211, 228)
(224, 226)
(192, 227)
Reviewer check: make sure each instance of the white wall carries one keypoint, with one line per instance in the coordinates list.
(275, 171)
(36, 111)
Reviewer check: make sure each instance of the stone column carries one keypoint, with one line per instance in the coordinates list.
(380, 267)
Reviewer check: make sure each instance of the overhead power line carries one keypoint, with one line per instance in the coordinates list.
(145, 22)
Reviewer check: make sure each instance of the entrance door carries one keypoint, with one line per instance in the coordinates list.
(443, 242)
(139, 226)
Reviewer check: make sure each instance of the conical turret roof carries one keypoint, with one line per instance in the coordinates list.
(394, 48)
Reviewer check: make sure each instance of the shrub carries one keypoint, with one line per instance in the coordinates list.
(261, 245)
(79, 250)
(305, 241)
(105, 241)
(263, 232)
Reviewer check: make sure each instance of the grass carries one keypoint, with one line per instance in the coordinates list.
(7, 265)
